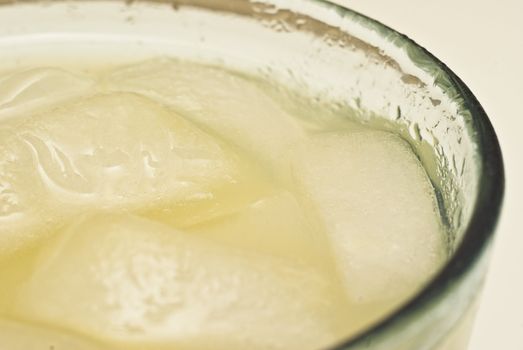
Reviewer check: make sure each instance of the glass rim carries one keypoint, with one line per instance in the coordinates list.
(486, 210)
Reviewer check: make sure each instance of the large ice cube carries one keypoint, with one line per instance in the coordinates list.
(379, 209)
(115, 151)
(229, 105)
(137, 283)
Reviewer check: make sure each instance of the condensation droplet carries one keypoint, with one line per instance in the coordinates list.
(398, 112)
(435, 102)
(414, 132)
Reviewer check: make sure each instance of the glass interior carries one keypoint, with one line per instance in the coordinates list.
(339, 57)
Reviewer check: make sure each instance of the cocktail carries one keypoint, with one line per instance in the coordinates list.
(235, 174)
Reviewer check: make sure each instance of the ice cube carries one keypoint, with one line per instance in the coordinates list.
(115, 151)
(227, 104)
(136, 283)
(379, 209)
(124, 147)
(26, 90)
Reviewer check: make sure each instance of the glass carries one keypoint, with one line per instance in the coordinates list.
(338, 56)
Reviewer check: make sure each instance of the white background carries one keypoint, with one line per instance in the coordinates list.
(482, 42)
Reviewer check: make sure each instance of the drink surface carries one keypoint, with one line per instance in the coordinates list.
(169, 204)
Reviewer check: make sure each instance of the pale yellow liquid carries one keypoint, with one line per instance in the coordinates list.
(168, 205)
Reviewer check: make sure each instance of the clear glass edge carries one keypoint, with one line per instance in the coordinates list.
(481, 227)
